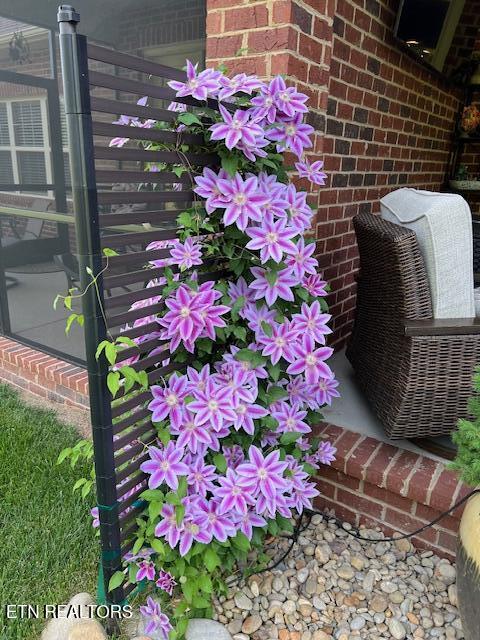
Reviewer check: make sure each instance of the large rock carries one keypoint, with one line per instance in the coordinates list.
(87, 630)
(202, 629)
(59, 628)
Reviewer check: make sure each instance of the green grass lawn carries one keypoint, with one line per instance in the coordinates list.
(48, 550)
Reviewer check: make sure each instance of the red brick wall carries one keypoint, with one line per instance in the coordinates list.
(383, 121)
(389, 125)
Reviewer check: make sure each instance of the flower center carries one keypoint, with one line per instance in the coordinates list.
(280, 342)
(291, 130)
(322, 385)
(311, 360)
(236, 124)
(240, 198)
(272, 237)
(213, 405)
(241, 409)
(184, 312)
(262, 474)
(171, 400)
(164, 466)
(236, 491)
(193, 528)
(285, 97)
(290, 423)
(311, 324)
(268, 101)
(193, 84)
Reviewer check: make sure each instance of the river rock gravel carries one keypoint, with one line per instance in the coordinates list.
(334, 587)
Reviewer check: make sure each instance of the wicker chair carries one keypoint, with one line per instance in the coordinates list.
(415, 371)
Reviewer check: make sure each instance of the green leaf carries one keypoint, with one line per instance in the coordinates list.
(271, 277)
(276, 393)
(70, 320)
(185, 220)
(302, 293)
(179, 513)
(220, 462)
(151, 495)
(238, 305)
(182, 487)
(188, 590)
(64, 454)
(154, 509)
(100, 348)
(211, 559)
(240, 332)
(182, 625)
(158, 546)
(267, 328)
(189, 118)
(241, 542)
(178, 171)
(254, 358)
(230, 164)
(200, 603)
(274, 370)
(116, 580)
(126, 340)
(289, 437)
(79, 483)
(205, 583)
(138, 545)
(109, 253)
(113, 382)
(110, 352)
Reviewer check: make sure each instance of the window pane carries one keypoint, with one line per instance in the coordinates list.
(27, 123)
(6, 171)
(31, 167)
(4, 133)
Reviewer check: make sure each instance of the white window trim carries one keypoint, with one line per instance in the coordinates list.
(14, 148)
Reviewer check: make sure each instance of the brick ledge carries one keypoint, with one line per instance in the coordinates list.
(377, 484)
(42, 375)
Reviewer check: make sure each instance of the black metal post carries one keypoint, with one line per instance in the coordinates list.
(73, 54)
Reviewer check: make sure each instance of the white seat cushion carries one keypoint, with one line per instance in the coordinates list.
(443, 226)
(477, 301)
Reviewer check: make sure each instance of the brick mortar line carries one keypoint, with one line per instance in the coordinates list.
(406, 483)
(433, 481)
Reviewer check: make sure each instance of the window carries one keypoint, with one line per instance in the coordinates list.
(24, 143)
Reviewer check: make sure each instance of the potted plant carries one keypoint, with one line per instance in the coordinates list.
(467, 464)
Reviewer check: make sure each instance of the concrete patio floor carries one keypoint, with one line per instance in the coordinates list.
(353, 412)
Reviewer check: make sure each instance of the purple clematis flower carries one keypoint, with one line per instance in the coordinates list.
(264, 104)
(256, 315)
(315, 286)
(291, 134)
(233, 455)
(246, 414)
(235, 128)
(146, 569)
(312, 321)
(202, 477)
(199, 85)
(213, 405)
(168, 401)
(207, 187)
(325, 390)
(240, 83)
(263, 474)
(288, 100)
(95, 517)
(183, 317)
(325, 454)
(187, 255)
(245, 201)
(192, 532)
(198, 379)
(155, 620)
(246, 521)
(235, 493)
(272, 238)
(301, 261)
(310, 360)
(166, 582)
(279, 344)
(272, 285)
(191, 435)
(212, 519)
(165, 465)
(302, 497)
(300, 213)
(290, 418)
(167, 527)
(311, 171)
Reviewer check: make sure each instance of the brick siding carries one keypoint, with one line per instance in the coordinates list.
(382, 120)
(375, 484)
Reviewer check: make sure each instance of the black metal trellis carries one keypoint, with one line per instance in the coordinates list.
(106, 193)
